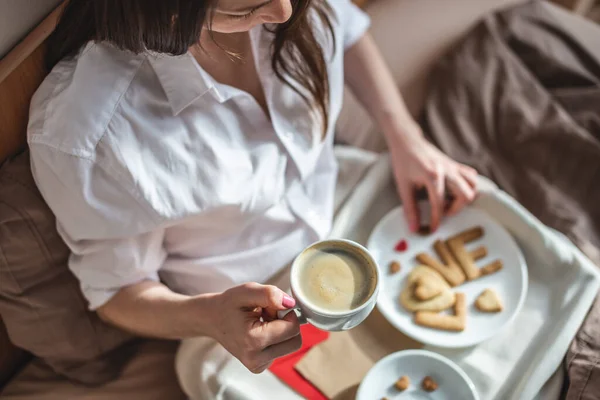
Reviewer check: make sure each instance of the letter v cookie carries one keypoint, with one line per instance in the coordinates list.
(448, 268)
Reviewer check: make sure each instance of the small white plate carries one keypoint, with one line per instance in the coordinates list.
(510, 283)
(453, 383)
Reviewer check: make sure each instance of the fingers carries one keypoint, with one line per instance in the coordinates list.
(268, 355)
(271, 340)
(281, 349)
(470, 175)
(269, 314)
(261, 368)
(409, 203)
(435, 191)
(251, 295)
(279, 330)
(462, 191)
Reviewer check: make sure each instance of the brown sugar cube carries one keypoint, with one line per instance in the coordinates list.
(403, 383)
(394, 267)
(424, 230)
(429, 385)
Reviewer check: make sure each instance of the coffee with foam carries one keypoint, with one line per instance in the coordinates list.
(336, 278)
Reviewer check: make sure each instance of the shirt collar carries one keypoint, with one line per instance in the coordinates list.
(181, 78)
(184, 81)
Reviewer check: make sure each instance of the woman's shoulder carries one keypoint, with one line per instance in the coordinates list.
(77, 166)
(75, 103)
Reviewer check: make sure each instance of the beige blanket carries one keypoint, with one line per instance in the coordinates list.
(520, 100)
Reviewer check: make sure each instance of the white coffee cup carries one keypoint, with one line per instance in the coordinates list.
(326, 319)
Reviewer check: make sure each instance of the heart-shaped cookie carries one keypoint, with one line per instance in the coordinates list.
(427, 288)
(440, 302)
(489, 301)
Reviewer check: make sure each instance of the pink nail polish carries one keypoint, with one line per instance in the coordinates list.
(288, 302)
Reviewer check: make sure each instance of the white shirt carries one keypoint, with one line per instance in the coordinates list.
(156, 171)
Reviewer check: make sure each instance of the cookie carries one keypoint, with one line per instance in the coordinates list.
(466, 259)
(428, 384)
(489, 301)
(456, 322)
(448, 268)
(491, 268)
(457, 247)
(411, 303)
(438, 303)
(403, 383)
(426, 289)
(479, 253)
(469, 235)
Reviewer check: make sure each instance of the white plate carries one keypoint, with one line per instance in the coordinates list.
(453, 383)
(510, 283)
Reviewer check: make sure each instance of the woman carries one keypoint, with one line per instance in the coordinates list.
(192, 140)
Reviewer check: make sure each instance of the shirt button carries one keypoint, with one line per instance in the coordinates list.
(288, 135)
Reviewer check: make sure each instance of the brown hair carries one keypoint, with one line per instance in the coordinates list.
(173, 26)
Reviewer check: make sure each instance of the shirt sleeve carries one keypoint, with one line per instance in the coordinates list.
(353, 22)
(114, 242)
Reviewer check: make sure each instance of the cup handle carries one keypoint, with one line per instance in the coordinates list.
(297, 310)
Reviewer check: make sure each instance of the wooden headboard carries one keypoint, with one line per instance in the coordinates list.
(21, 72)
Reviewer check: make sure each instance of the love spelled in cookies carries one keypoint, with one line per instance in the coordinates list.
(458, 264)
(428, 287)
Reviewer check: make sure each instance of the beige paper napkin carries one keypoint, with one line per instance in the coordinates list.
(337, 365)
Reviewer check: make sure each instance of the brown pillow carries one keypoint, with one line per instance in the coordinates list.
(40, 300)
(11, 357)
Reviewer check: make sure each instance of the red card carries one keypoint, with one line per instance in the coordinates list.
(283, 367)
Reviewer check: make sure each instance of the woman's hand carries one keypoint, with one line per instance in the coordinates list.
(418, 164)
(246, 324)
